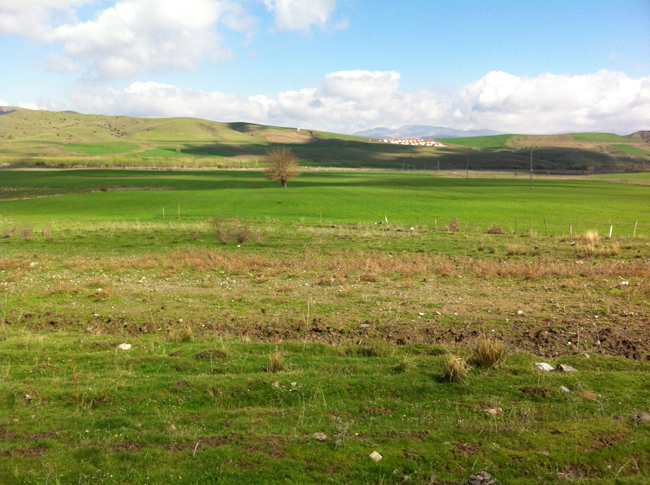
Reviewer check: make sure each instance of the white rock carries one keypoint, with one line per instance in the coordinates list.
(124, 346)
(544, 366)
(375, 456)
(320, 436)
(565, 368)
(565, 389)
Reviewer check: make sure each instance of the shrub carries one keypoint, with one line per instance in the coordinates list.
(456, 369)
(590, 237)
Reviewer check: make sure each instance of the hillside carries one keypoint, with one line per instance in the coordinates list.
(29, 137)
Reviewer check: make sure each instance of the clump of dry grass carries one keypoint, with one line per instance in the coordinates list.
(590, 237)
(489, 353)
(516, 249)
(227, 230)
(185, 335)
(453, 225)
(368, 277)
(495, 230)
(456, 369)
(276, 362)
(405, 364)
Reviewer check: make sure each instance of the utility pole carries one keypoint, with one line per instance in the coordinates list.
(531, 168)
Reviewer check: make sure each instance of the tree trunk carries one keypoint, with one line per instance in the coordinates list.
(283, 183)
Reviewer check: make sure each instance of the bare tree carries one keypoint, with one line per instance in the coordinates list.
(283, 165)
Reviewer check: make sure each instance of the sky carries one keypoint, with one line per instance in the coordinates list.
(516, 66)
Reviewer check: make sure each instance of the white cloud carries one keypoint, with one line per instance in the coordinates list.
(60, 64)
(134, 35)
(130, 36)
(356, 100)
(300, 15)
(361, 85)
(31, 18)
(604, 100)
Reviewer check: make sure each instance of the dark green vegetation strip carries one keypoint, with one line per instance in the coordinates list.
(75, 409)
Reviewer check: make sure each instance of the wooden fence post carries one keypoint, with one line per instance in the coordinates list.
(634, 231)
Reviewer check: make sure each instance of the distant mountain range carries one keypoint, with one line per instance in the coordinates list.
(423, 131)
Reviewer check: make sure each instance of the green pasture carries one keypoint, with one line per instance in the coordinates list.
(632, 150)
(600, 137)
(205, 410)
(347, 197)
(101, 149)
(480, 142)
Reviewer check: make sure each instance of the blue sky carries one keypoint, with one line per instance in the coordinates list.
(338, 65)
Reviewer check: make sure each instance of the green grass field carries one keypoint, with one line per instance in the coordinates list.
(600, 137)
(259, 316)
(350, 197)
(101, 149)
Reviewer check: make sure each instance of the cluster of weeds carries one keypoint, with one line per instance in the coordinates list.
(487, 353)
(228, 230)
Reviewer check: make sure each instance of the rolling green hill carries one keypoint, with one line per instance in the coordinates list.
(68, 139)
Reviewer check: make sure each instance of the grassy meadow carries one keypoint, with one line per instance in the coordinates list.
(284, 335)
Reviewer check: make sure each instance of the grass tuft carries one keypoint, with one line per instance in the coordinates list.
(276, 362)
(495, 230)
(590, 237)
(489, 353)
(456, 369)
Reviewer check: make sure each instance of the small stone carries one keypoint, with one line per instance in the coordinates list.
(565, 368)
(494, 411)
(294, 384)
(275, 383)
(589, 395)
(642, 418)
(543, 366)
(124, 347)
(587, 356)
(80, 341)
(376, 456)
(172, 427)
(565, 389)
(481, 478)
(319, 436)
(545, 453)
(520, 312)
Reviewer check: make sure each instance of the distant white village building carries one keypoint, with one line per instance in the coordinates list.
(413, 142)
